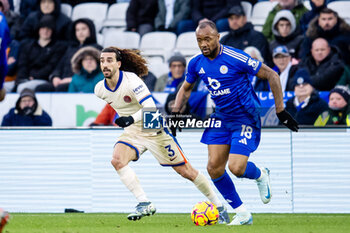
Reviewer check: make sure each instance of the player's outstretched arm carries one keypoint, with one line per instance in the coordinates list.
(272, 77)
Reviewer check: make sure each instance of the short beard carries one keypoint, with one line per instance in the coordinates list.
(212, 54)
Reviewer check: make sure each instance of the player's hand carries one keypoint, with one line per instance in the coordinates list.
(174, 123)
(288, 120)
(124, 121)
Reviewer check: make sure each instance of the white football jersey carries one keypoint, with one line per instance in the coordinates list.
(127, 97)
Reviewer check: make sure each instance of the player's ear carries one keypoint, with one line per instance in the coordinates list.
(119, 64)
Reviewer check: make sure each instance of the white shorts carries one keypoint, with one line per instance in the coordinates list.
(162, 145)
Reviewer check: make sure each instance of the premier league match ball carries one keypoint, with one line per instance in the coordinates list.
(205, 213)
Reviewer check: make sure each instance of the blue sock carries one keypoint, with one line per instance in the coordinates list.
(227, 189)
(251, 171)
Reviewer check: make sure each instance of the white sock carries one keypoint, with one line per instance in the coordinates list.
(261, 175)
(241, 209)
(129, 178)
(203, 185)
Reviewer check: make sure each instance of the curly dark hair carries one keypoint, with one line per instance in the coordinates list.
(131, 60)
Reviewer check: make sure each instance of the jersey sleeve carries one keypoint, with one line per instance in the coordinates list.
(191, 75)
(139, 89)
(250, 66)
(242, 61)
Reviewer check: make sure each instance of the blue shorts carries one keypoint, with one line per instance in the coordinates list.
(243, 138)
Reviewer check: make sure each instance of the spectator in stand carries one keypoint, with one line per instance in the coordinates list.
(106, 117)
(47, 7)
(150, 80)
(324, 64)
(338, 112)
(283, 66)
(12, 60)
(26, 7)
(316, 7)
(242, 33)
(4, 42)
(13, 19)
(37, 58)
(286, 33)
(171, 13)
(214, 10)
(307, 104)
(331, 27)
(87, 73)
(169, 82)
(83, 34)
(295, 6)
(27, 112)
(140, 16)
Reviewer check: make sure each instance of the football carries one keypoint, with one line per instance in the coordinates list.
(205, 213)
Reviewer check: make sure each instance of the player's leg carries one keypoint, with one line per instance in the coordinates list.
(243, 143)
(168, 152)
(203, 185)
(122, 155)
(4, 218)
(218, 156)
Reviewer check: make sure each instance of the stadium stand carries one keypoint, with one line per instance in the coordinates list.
(157, 44)
(121, 39)
(260, 12)
(66, 9)
(186, 44)
(94, 11)
(342, 8)
(247, 7)
(116, 16)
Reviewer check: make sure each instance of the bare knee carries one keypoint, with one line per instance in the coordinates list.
(215, 171)
(237, 169)
(118, 163)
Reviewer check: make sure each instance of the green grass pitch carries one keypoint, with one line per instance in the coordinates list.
(173, 223)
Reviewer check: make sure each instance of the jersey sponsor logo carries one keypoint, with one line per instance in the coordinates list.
(138, 89)
(243, 141)
(223, 69)
(127, 99)
(201, 71)
(220, 92)
(253, 63)
(215, 84)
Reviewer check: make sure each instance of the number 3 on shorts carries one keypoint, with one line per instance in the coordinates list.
(171, 151)
(247, 131)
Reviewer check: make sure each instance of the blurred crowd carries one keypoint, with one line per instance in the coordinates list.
(44, 50)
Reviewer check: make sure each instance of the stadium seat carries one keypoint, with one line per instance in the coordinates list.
(186, 44)
(121, 39)
(66, 9)
(95, 11)
(247, 7)
(157, 66)
(342, 8)
(260, 12)
(100, 38)
(157, 44)
(116, 15)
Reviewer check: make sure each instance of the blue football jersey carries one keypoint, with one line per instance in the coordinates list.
(227, 79)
